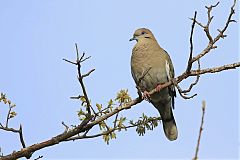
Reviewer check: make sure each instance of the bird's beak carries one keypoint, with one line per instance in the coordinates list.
(134, 38)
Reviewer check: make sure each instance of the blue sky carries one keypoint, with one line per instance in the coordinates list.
(36, 35)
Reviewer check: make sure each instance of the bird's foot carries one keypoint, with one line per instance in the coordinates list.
(146, 96)
(159, 87)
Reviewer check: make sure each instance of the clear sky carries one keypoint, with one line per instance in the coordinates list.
(36, 35)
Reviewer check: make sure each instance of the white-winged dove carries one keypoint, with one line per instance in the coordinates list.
(148, 57)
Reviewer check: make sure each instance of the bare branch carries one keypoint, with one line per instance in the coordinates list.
(143, 75)
(28, 151)
(66, 127)
(87, 74)
(189, 67)
(229, 20)
(39, 157)
(82, 60)
(197, 73)
(76, 46)
(200, 131)
(115, 121)
(80, 76)
(181, 93)
(194, 83)
(77, 97)
(9, 129)
(215, 69)
(70, 61)
(21, 137)
(8, 115)
(212, 41)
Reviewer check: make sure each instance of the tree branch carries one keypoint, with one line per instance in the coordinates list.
(212, 41)
(189, 67)
(200, 130)
(80, 76)
(27, 152)
(92, 120)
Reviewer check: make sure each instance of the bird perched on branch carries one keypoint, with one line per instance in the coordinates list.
(151, 67)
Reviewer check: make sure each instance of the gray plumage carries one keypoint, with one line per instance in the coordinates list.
(148, 54)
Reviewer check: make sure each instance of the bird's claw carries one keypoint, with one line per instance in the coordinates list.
(146, 96)
(159, 87)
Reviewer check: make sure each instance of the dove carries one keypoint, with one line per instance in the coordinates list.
(151, 67)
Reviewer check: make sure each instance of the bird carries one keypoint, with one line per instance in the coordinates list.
(151, 66)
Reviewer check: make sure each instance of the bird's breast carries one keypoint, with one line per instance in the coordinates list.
(147, 58)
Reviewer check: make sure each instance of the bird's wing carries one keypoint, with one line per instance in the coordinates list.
(170, 75)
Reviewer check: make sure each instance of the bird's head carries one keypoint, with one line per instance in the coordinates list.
(142, 34)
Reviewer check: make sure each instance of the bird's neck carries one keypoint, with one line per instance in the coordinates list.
(144, 45)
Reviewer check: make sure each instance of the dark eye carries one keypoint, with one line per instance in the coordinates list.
(143, 32)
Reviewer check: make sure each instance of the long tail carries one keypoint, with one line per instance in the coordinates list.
(169, 124)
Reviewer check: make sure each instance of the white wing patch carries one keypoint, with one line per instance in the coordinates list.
(168, 70)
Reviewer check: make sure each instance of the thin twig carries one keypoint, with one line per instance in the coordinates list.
(229, 20)
(80, 77)
(200, 131)
(194, 83)
(215, 69)
(212, 41)
(82, 60)
(181, 93)
(8, 115)
(87, 74)
(76, 46)
(66, 126)
(143, 75)
(21, 137)
(39, 157)
(105, 132)
(70, 61)
(115, 121)
(76, 97)
(9, 129)
(189, 67)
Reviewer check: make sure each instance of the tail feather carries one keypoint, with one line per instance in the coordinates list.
(169, 124)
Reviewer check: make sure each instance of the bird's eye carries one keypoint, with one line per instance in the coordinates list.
(143, 32)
